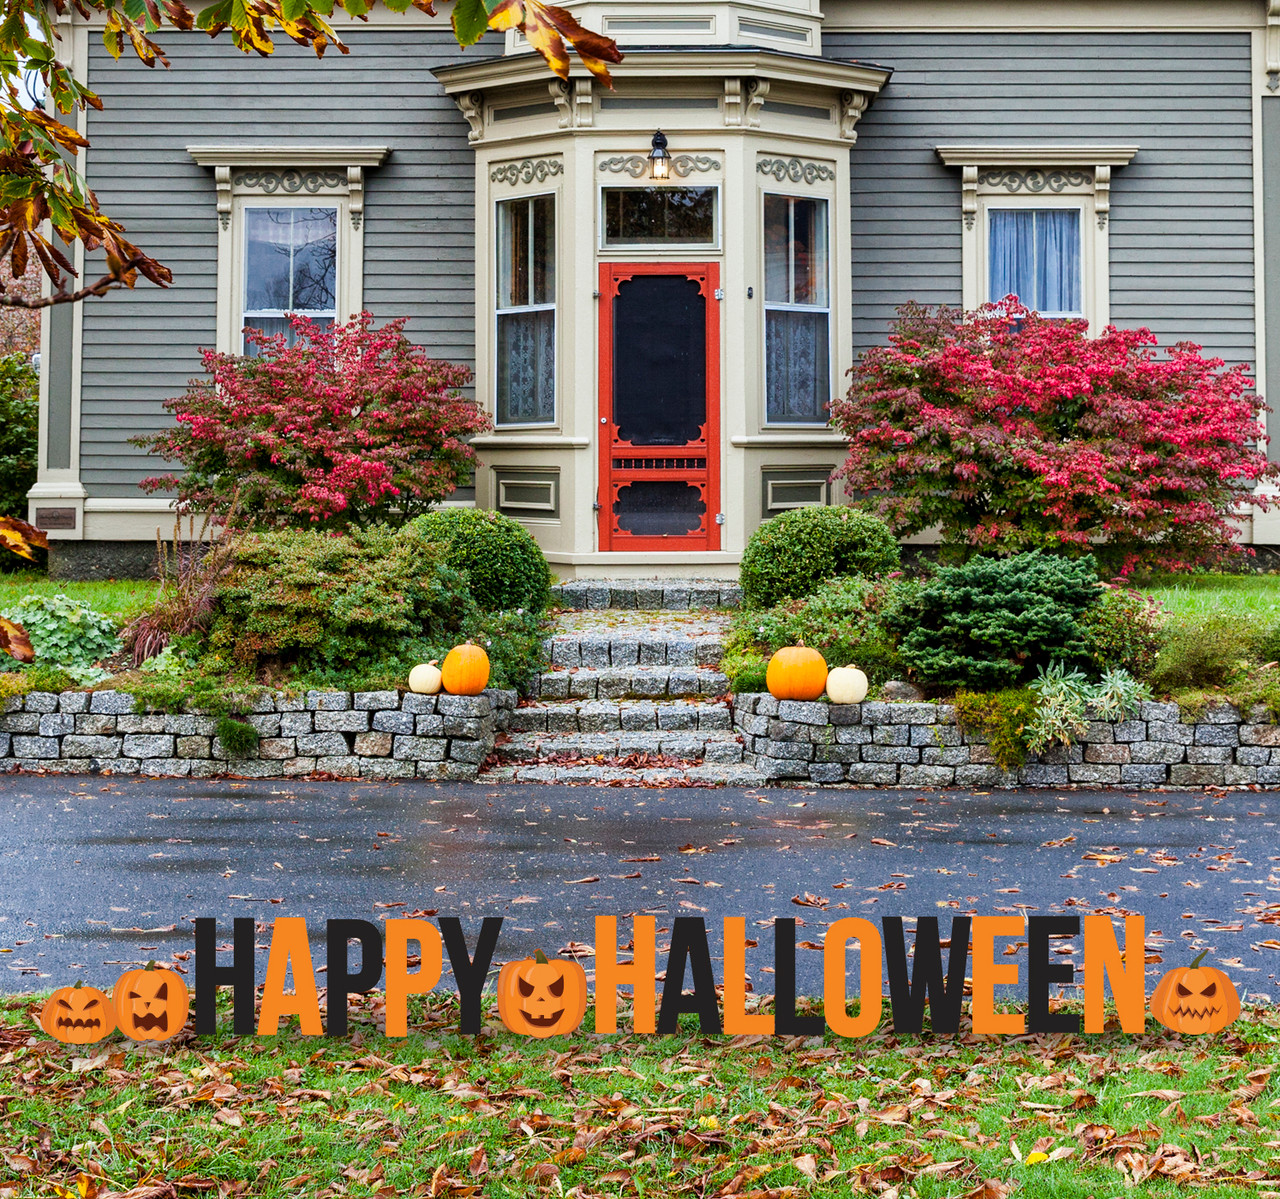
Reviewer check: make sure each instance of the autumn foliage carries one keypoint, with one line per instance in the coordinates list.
(1012, 432)
(350, 426)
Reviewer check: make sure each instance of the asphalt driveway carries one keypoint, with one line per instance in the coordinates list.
(97, 873)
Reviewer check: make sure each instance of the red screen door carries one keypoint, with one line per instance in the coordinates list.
(659, 406)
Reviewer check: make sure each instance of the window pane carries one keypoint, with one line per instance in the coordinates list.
(280, 324)
(777, 250)
(526, 367)
(797, 366)
(653, 508)
(809, 251)
(544, 250)
(641, 216)
(290, 259)
(1035, 255)
(513, 253)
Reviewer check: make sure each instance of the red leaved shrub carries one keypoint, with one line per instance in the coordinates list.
(1012, 432)
(350, 426)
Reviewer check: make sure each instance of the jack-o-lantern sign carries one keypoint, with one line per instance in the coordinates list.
(151, 1004)
(1195, 999)
(540, 998)
(77, 1015)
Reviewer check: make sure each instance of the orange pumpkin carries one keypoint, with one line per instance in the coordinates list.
(539, 998)
(465, 670)
(77, 1015)
(796, 672)
(1195, 999)
(151, 1004)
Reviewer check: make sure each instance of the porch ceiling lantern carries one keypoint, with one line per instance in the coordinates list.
(659, 159)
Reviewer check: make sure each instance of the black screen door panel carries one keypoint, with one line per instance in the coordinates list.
(659, 360)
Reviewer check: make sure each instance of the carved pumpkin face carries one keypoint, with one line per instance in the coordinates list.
(77, 1015)
(540, 998)
(1195, 999)
(151, 1004)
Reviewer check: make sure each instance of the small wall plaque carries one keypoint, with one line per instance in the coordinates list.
(55, 518)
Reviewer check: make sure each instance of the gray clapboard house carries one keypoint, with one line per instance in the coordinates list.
(656, 337)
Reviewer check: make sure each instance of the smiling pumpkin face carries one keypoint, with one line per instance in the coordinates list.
(541, 998)
(77, 1015)
(151, 1004)
(1195, 999)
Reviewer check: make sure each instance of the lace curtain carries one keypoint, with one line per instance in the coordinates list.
(526, 367)
(797, 366)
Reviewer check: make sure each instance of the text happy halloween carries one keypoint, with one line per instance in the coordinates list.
(538, 997)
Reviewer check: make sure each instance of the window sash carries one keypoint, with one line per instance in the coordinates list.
(525, 312)
(275, 319)
(1024, 246)
(797, 341)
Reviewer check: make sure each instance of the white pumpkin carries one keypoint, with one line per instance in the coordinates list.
(425, 679)
(846, 685)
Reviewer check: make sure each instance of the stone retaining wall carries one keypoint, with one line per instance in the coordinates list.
(920, 745)
(365, 734)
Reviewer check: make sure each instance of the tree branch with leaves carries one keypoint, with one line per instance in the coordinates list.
(46, 207)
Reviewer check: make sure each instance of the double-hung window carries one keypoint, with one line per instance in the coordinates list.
(290, 267)
(1036, 255)
(797, 303)
(525, 371)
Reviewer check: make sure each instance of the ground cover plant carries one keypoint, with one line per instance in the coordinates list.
(1010, 432)
(439, 1114)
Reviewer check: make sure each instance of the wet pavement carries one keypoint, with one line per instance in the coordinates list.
(97, 874)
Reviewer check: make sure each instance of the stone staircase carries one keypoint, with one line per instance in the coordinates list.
(634, 695)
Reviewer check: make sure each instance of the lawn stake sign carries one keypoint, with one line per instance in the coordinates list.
(538, 997)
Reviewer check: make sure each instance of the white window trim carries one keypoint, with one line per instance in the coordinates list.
(1043, 177)
(766, 307)
(278, 177)
(553, 307)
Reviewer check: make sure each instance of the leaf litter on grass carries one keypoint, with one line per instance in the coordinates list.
(747, 1117)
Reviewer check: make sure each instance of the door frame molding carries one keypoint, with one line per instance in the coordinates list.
(612, 274)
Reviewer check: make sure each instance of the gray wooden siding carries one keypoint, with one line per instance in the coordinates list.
(141, 347)
(1181, 212)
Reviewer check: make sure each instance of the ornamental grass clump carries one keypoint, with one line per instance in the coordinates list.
(350, 426)
(1012, 432)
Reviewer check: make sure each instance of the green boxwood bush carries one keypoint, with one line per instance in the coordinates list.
(789, 556)
(506, 566)
(989, 623)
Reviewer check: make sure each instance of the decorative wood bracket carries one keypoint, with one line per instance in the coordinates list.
(222, 180)
(1273, 45)
(969, 194)
(472, 106)
(561, 91)
(733, 102)
(583, 107)
(757, 90)
(355, 195)
(852, 106)
(1102, 194)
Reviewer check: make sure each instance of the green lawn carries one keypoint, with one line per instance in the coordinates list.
(1197, 596)
(441, 1114)
(120, 598)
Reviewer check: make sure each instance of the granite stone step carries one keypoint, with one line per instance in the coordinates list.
(659, 647)
(605, 716)
(645, 682)
(672, 595)
(718, 775)
(718, 747)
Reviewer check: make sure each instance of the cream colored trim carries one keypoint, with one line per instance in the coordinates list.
(1273, 45)
(948, 16)
(783, 441)
(285, 176)
(1039, 176)
(1042, 155)
(499, 441)
(280, 156)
